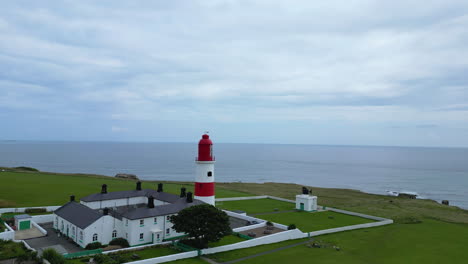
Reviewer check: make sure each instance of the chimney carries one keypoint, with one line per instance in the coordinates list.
(151, 202)
(189, 197)
(72, 198)
(138, 186)
(105, 211)
(104, 189)
(160, 187)
(182, 192)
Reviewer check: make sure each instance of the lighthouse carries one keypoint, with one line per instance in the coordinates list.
(204, 172)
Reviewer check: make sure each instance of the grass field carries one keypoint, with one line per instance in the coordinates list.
(231, 239)
(308, 222)
(10, 249)
(21, 189)
(440, 237)
(256, 206)
(146, 253)
(196, 260)
(428, 242)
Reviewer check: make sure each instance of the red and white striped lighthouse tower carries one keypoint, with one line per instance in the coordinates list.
(204, 181)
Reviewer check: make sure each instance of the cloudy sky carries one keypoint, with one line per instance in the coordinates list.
(312, 72)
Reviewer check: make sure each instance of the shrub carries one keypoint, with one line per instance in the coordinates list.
(292, 226)
(110, 259)
(94, 245)
(269, 223)
(35, 210)
(53, 256)
(26, 168)
(120, 242)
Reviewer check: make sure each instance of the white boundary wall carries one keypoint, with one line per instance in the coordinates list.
(241, 198)
(21, 210)
(43, 231)
(168, 258)
(274, 238)
(40, 219)
(8, 234)
(135, 248)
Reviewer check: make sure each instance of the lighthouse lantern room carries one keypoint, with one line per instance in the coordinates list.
(204, 181)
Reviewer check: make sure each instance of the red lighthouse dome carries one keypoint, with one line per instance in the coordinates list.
(205, 149)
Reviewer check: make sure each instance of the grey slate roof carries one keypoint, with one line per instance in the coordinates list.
(167, 209)
(162, 196)
(23, 216)
(78, 214)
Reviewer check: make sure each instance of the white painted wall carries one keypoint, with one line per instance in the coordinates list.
(134, 229)
(241, 198)
(168, 258)
(8, 233)
(40, 219)
(273, 238)
(22, 209)
(310, 202)
(43, 231)
(103, 227)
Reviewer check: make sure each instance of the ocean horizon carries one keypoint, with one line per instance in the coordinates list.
(438, 173)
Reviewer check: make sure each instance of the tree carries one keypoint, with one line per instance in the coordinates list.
(204, 223)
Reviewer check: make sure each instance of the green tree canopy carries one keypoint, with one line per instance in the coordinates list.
(205, 223)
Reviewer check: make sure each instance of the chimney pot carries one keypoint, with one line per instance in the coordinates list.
(104, 189)
(189, 197)
(183, 192)
(151, 202)
(138, 186)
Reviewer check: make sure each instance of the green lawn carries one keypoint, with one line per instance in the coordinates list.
(151, 252)
(428, 242)
(231, 239)
(21, 189)
(239, 253)
(196, 260)
(308, 222)
(256, 206)
(10, 249)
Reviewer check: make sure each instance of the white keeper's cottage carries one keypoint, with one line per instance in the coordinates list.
(140, 216)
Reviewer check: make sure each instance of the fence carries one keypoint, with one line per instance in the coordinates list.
(82, 253)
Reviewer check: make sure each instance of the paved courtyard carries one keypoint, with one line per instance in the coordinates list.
(33, 232)
(53, 240)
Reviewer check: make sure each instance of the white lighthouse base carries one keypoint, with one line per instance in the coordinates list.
(206, 199)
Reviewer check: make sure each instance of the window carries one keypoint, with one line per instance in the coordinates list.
(168, 218)
(94, 237)
(126, 235)
(168, 231)
(210, 174)
(157, 236)
(62, 225)
(114, 234)
(56, 222)
(81, 235)
(155, 220)
(141, 236)
(126, 222)
(142, 222)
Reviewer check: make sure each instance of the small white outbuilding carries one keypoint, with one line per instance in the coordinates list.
(306, 202)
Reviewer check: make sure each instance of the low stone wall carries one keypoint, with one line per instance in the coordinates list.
(376, 218)
(244, 228)
(281, 199)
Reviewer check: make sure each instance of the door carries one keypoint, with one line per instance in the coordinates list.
(302, 206)
(25, 225)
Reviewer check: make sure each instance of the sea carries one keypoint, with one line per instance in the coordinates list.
(433, 173)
